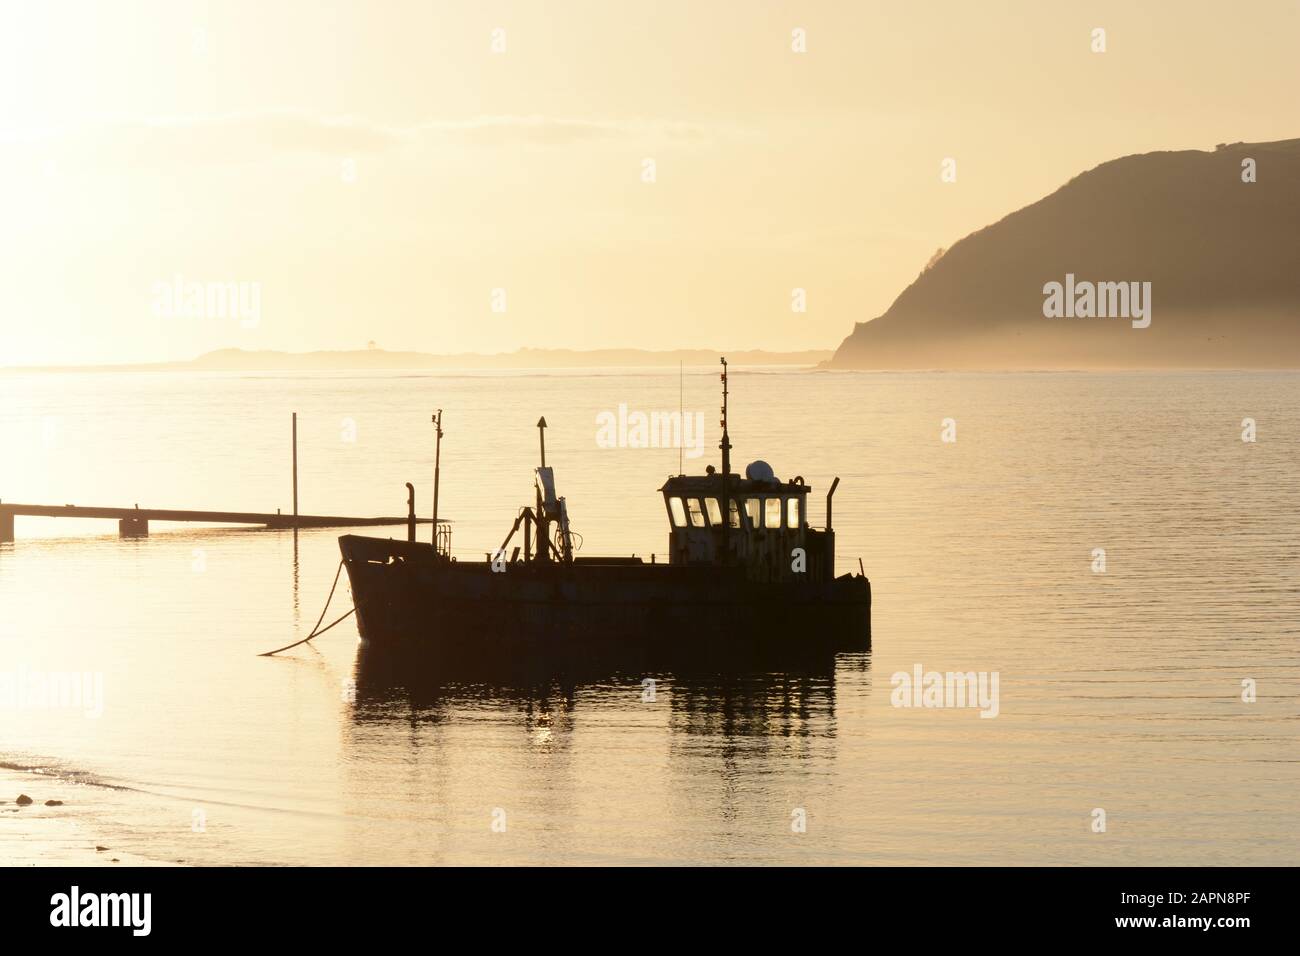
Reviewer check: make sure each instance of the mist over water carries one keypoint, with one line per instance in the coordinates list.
(1119, 690)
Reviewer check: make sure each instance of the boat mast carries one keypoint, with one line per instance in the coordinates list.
(543, 531)
(726, 472)
(437, 462)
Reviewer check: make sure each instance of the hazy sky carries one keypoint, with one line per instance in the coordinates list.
(377, 169)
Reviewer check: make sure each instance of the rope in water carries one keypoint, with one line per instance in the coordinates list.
(317, 631)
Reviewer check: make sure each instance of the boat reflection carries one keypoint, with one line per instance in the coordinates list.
(582, 753)
(757, 694)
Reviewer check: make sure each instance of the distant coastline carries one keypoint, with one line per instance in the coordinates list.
(241, 360)
(1196, 230)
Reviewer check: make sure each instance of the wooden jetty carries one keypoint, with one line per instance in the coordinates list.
(134, 522)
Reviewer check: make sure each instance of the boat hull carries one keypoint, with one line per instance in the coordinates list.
(408, 598)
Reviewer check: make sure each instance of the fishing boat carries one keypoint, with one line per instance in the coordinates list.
(745, 571)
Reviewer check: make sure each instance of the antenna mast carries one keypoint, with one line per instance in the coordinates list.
(681, 417)
(437, 462)
(725, 445)
(726, 441)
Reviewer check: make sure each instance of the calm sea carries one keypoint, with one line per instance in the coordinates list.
(1119, 691)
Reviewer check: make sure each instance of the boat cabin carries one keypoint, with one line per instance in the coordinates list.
(766, 530)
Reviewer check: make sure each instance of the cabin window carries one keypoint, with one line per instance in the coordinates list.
(678, 511)
(751, 509)
(715, 511)
(696, 511)
(772, 513)
(792, 512)
(735, 514)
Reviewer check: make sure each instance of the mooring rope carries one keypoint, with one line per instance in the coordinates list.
(322, 630)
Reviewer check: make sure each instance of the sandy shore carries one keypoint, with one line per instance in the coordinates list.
(62, 835)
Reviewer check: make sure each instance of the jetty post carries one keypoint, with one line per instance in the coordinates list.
(295, 471)
(410, 512)
(133, 525)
